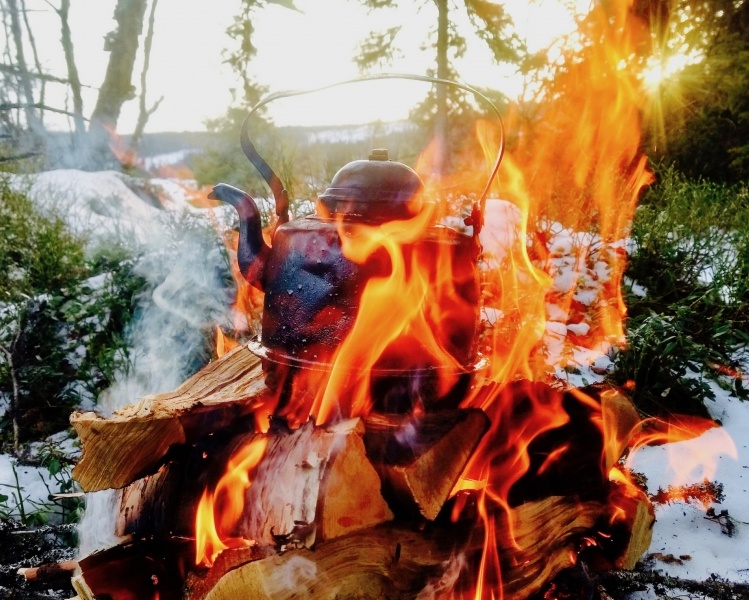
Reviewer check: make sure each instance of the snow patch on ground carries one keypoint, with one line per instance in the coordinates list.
(29, 485)
(682, 530)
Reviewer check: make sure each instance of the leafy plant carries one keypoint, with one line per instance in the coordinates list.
(37, 252)
(63, 317)
(691, 254)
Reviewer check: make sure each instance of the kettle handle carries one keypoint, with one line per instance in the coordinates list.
(276, 185)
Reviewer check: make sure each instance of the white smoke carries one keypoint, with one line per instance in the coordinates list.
(188, 294)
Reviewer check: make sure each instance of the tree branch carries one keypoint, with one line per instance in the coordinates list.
(13, 105)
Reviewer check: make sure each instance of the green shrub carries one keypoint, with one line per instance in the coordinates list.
(63, 317)
(691, 253)
(38, 253)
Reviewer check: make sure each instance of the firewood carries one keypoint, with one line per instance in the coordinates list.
(421, 458)
(630, 510)
(149, 505)
(382, 562)
(535, 542)
(620, 421)
(133, 442)
(314, 483)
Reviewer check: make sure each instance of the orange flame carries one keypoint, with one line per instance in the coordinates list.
(219, 512)
(689, 462)
(551, 276)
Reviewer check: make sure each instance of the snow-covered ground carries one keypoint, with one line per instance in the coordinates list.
(685, 543)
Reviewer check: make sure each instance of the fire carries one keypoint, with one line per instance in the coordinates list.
(693, 445)
(552, 258)
(219, 511)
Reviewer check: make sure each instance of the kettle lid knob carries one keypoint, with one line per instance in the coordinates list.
(379, 154)
(374, 190)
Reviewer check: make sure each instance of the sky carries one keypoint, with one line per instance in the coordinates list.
(296, 50)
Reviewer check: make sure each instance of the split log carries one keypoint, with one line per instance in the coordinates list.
(132, 443)
(534, 542)
(313, 484)
(421, 458)
(153, 505)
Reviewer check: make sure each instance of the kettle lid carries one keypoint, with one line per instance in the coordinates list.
(376, 190)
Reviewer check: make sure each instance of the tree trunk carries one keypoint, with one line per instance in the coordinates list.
(122, 44)
(145, 113)
(440, 122)
(75, 82)
(37, 62)
(32, 119)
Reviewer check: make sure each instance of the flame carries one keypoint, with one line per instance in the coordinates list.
(693, 446)
(219, 511)
(550, 281)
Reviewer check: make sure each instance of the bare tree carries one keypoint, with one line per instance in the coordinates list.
(145, 113)
(33, 121)
(117, 88)
(35, 53)
(73, 79)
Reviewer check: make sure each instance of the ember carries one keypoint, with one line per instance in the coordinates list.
(410, 432)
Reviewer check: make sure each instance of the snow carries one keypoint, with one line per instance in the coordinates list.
(721, 455)
(34, 483)
(152, 163)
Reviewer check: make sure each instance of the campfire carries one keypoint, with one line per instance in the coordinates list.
(402, 429)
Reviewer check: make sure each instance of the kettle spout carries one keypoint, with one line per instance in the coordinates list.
(252, 251)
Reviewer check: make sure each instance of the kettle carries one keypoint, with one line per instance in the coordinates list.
(313, 290)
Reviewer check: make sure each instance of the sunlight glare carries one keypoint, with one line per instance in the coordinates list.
(660, 69)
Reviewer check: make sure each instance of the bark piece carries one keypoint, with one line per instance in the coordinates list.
(132, 443)
(49, 571)
(420, 459)
(313, 484)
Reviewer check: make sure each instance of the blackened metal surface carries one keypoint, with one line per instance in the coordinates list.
(375, 190)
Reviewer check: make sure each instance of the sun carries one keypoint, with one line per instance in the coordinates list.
(660, 69)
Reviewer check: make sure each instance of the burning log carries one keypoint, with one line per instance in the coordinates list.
(420, 459)
(316, 502)
(134, 442)
(534, 543)
(313, 484)
(301, 492)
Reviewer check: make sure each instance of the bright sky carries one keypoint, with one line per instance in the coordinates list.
(296, 50)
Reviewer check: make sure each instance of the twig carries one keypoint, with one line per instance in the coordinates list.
(49, 571)
(4, 159)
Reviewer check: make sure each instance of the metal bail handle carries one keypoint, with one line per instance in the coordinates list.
(280, 195)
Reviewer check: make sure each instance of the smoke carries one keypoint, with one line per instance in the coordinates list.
(188, 293)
